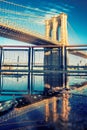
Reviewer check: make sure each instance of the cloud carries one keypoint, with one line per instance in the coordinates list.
(51, 13)
(68, 6)
(40, 15)
(59, 7)
(37, 15)
(62, 8)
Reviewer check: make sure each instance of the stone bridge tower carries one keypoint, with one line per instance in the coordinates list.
(56, 29)
(55, 58)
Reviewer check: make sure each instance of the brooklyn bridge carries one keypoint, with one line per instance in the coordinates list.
(43, 80)
(54, 43)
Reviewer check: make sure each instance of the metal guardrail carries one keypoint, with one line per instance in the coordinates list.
(33, 63)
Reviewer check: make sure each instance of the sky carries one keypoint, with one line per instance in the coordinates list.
(31, 15)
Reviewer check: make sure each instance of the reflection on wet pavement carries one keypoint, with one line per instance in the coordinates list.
(40, 102)
(66, 112)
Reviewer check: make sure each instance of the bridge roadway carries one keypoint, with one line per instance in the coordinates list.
(79, 53)
(23, 35)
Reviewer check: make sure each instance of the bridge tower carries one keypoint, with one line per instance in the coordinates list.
(56, 29)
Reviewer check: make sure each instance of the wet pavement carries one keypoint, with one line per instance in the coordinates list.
(60, 112)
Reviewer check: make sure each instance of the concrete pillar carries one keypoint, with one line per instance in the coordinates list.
(64, 39)
(47, 28)
(54, 29)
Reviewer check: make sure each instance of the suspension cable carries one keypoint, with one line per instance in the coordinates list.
(21, 19)
(22, 6)
(18, 13)
(73, 31)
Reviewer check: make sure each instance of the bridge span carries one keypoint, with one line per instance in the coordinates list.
(52, 36)
(22, 35)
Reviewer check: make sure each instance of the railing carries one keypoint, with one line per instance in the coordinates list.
(42, 58)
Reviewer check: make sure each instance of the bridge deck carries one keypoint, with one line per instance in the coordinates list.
(36, 39)
(24, 36)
